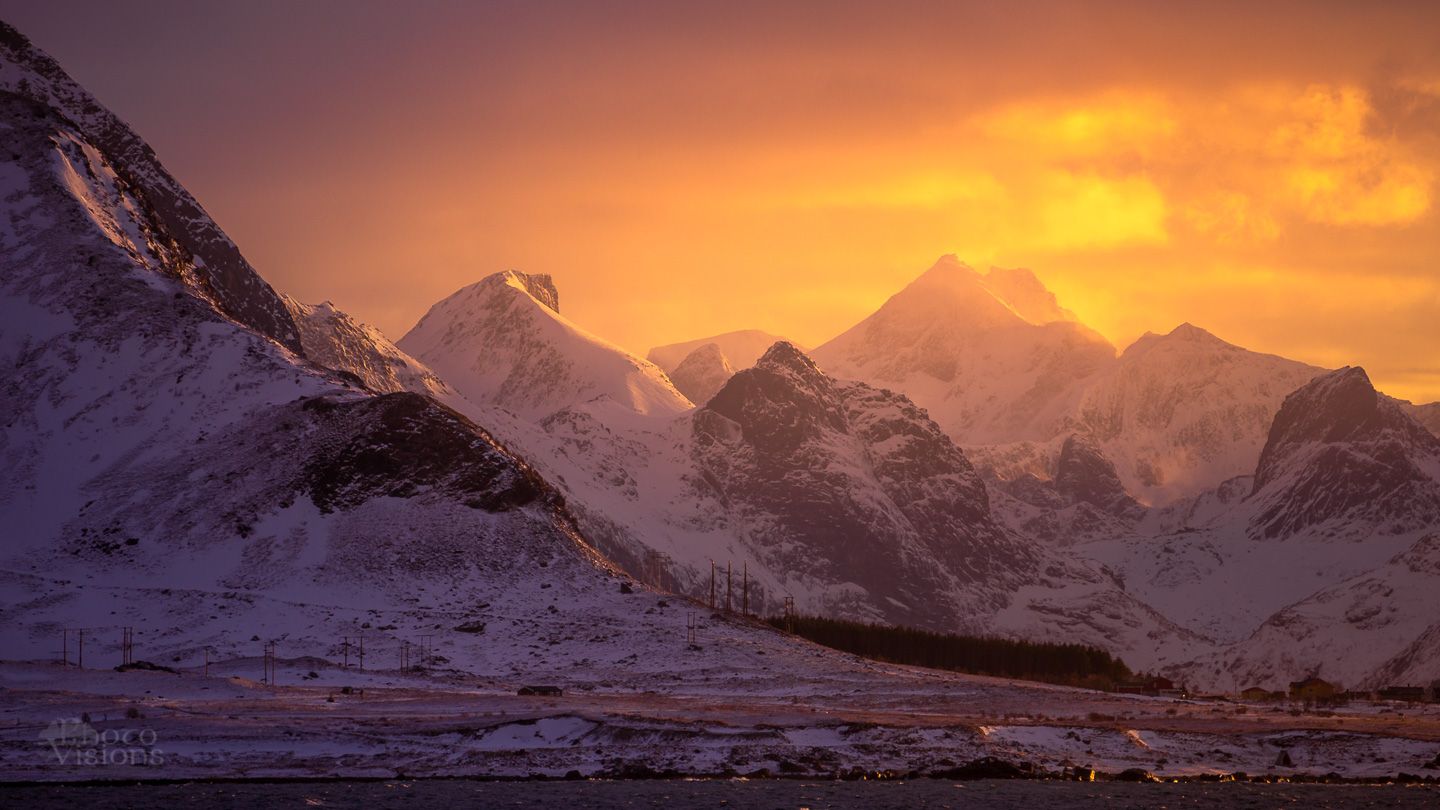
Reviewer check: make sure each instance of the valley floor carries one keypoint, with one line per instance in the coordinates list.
(157, 725)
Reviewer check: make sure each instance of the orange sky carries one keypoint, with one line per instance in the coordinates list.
(689, 169)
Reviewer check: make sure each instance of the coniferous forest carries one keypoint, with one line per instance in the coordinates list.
(1068, 664)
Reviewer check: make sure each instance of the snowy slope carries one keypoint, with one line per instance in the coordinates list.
(741, 348)
(956, 346)
(502, 341)
(1373, 630)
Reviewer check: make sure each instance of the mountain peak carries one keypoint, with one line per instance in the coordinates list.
(1189, 331)
(503, 341)
(784, 397)
(1185, 335)
(785, 354)
(1339, 407)
(1333, 407)
(1027, 295)
(702, 373)
(540, 285)
(949, 266)
(1337, 447)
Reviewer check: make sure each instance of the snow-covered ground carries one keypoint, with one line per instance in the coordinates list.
(806, 722)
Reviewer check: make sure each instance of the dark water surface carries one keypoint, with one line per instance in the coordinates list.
(782, 794)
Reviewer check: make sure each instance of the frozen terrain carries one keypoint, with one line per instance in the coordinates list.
(846, 717)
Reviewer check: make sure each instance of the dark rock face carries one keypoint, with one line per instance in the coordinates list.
(542, 286)
(1085, 475)
(849, 483)
(397, 445)
(781, 403)
(218, 271)
(1339, 451)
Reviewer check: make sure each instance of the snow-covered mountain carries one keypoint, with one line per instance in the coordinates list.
(502, 341)
(954, 343)
(702, 373)
(172, 465)
(845, 497)
(1182, 412)
(1347, 461)
(742, 348)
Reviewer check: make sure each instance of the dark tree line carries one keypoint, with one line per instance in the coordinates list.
(1069, 664)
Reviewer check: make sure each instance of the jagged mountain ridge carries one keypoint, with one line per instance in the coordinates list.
(502, 341)
(333, 339)
(1009, 374)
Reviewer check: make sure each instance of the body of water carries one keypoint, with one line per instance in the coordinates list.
(778, 794)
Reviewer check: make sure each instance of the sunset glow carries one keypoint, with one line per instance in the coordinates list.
(689, 170)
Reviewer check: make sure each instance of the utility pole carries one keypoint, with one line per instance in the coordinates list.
(127, 645)
(362, 652)
(691, 628)
(729, 586)
(404, 656)
(427, 650)
(790, 615)
(712, 584)
(80, 650)
(64, 646)
(207, 662)
(745, 594)
(345, 651)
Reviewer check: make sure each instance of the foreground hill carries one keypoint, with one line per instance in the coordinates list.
(176, 466)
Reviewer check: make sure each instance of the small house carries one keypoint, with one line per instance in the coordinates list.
(1313, 689)
(1150, 686)
(1255, 693)
(1413, 694)
(540, 691)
